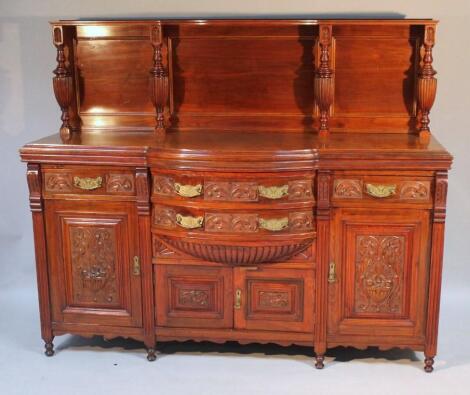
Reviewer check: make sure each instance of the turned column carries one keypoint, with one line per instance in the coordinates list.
(62, 83)
(158, 79)
(427, 83)
(323, 85)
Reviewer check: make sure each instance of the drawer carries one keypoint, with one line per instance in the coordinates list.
(231, 187)
(356, 189)
(232, 221)
(94, 181)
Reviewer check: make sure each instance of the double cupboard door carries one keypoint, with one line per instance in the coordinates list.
(245, 298)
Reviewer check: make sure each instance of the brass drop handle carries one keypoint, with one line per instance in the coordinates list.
(189, 222)
(274, 192)
(381, 190)
(136, 266)
(332, 273)
(275, 224)
(87, 183)
(188, 190)
(238, 299)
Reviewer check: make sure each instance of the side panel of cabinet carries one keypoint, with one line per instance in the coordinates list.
(193, 296)
(91, 249)
(274, 299)
(381, 260)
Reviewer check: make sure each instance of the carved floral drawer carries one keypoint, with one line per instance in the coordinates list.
(235, 237)
(231, 187)
(233, 222)
(95, 181)
(381, 189)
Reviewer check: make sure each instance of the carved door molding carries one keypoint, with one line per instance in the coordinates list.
(381, 263)
(91, 270)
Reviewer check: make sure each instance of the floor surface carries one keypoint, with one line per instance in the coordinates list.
(94, 366)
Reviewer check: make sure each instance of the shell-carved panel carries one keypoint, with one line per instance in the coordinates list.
(347, 188)
(231, 191)
(379, 274)
(239, 254)
(415, 190)
(120, 183)
(93, 263)
(58, 182)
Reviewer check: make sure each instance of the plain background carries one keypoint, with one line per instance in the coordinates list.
(29, 111)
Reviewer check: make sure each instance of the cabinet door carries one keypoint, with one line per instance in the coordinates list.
(193, 296)
(381, 259)
(273, 299)
(91, 250)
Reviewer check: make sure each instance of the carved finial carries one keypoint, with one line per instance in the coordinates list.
(159, 79)
(427, 83)
(324, 78)
(62, 83)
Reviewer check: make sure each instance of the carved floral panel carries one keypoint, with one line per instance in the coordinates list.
(273, 299)
(415, 190)
(58, 182)
(379, 274)
(163, 185)
(300, 190)
(120, 183)
(347, 189)
(93, 260)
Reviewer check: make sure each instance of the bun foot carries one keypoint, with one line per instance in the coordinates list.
(49, 349)
(428, 362)
(151, 355)
(319, 361)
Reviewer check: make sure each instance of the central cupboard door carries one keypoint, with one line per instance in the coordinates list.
(273, 299)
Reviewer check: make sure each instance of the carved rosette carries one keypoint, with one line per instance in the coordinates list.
(379, 274)
(427, 83)
(159, 79)
(62, 83)
(323, 84)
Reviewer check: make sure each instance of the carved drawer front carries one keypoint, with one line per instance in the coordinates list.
(234, 222)
(379, 285)
(232, 188)
(355, 188)
(95, 181)
(273, 299)
(94, 263)
(193, 296)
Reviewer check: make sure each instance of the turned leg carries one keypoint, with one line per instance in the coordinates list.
(428, 364)
(151, 354)
(49, 346)
(319, 361)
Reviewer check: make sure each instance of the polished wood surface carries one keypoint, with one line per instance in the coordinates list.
(248, 180)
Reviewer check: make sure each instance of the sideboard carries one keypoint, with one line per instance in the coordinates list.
(271, 181)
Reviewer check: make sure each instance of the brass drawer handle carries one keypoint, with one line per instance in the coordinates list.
(381, 191)
(275, 224)
(189, 222)
(238, 299)
(273, 192)
(188, 191)
(332, 273)
(87, 183)
(136, 266)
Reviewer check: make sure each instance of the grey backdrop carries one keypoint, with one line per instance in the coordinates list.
(28, 111)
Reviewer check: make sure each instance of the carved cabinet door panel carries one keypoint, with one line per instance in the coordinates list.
(193, 296)
(93, 253)
(377, 285)
(273, 299)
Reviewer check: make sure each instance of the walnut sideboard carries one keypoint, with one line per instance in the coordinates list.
(246, 180)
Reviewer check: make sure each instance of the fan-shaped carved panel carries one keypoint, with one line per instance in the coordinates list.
(238, 254)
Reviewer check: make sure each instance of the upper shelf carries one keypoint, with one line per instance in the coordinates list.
(290, 75)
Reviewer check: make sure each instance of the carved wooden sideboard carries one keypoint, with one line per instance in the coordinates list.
(248, 180)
